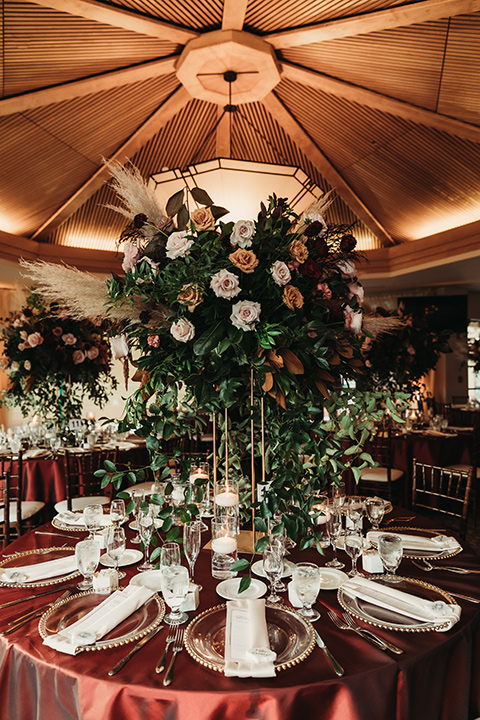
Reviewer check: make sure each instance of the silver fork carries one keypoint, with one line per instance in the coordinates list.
(342, 625)
(354, 625)
(170, 638)
(450, 568)
(177, 647)
(399, 520)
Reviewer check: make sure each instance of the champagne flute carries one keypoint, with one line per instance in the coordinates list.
(138, 498)
(273, 569)
(116, 545)
(278, 543)
(192, 539)
(375, 508)
(87, 555)
(175, 583)
(306, 582)
(93, 517)
(390, 549)
(334, 530)
(338, 494)
(117, 511)
(145, 520)
(354, 548)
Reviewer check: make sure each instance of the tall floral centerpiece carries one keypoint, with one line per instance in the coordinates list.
(254, 325)
(54, 361)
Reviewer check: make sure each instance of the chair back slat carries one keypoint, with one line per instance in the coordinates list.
(11, 486)
(80, 468)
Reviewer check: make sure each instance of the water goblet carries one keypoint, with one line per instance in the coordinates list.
(354, 548)
(93, 518)
(145, 520)
(390, 549)
(355, 512)
(306, 582)
(273, 568)
(170, 554)
(138, 498)
(375, 508)
(175, 583)
(334, 530)
(192, 540)
(87, 555)
(117, 511)
(116, 545)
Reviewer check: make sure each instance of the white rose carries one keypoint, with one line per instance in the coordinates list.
(178, 244)
(245, 314)
(280, 273)
(346, 267)
(242, 233)
(353, 320)
(183, 330)
(119, 347)
(27, 365)
(225, 284)
(15, 366)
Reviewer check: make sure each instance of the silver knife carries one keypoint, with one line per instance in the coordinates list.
(132, 652)
(337, 668)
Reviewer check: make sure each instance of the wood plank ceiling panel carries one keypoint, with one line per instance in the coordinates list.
(443, 187)
(272, 15)
(67, 48)
(404, 63)
(460, 88)
(196, 15)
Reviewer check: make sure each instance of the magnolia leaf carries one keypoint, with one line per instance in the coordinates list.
(268, 384)
(323, 388)
(218, 211)
(201, 196)
(293, 364)
(182, 218)
(174, 203)
(334, 359)
(324, 375)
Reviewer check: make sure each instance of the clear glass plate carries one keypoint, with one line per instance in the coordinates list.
(388, 619)
(32, 557)
(138, 624)
(291, 637)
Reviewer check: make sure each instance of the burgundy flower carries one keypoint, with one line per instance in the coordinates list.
(321, 247)
(310, 269)
(139, 220)
(347, 243)
(314, 229)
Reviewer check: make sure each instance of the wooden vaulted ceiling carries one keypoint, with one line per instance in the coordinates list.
(378, 100)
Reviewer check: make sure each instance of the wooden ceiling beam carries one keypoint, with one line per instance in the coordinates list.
(164, 113)
(392, 17)
(223, 140)
(384, 103)
(118, 17)
(87, 86)
(234, 14)
(306, 145)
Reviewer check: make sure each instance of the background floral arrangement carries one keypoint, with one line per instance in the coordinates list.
(257, 314)
(474, 354)
(54, 361)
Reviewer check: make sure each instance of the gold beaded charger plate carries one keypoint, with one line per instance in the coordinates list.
(291, 637)
(73, 608)
(434, 554)
(32, 557)
(390, 620)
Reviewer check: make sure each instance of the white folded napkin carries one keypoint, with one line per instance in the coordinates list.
(435, 544)
(39, 571)
(75, 519)
(403, 603)
(247, 647)
(98, 622)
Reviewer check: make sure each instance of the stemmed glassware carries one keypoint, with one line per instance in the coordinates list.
(338, 494)
(169, 554)
(93, 517)
(116, 545)
(175, 582)
(117, 511)
(145, 520)
(87, 555)
(354, 548)
(138, 498)
(334, 530)
(355, 512)
(375, 509)
(273, 569)
(390, 549)
(278, 542)
(306, 582)
(192, 540)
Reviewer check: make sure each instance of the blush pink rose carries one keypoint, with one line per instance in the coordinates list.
(92, 353)
(242, 233)
(324, 288)
(183, 330)
(225, 284)
(356, 290)
(280, 273)
(69, 339)
(245, 314)
(78, 357)
(353, 320)
(178, 244)
(153, 341)
(131, 256)
(34, 339)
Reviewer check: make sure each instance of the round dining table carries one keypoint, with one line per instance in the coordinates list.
(437, 677)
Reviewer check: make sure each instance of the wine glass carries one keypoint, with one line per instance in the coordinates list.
(175, 583)
(116, 545)
(117, 511)
(354, 548)
(306, 582)
(138, 498)
(87, 555)
(273, 569)
(192, 540)
(355, 512)
(390, 549)
(338, 494)
(334, 530)
(93, 517)
(375, 508)
(145, 520)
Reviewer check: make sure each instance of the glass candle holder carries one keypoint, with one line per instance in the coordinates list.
(224, 547)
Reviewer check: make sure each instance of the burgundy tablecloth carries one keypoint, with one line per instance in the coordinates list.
(437, 677)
